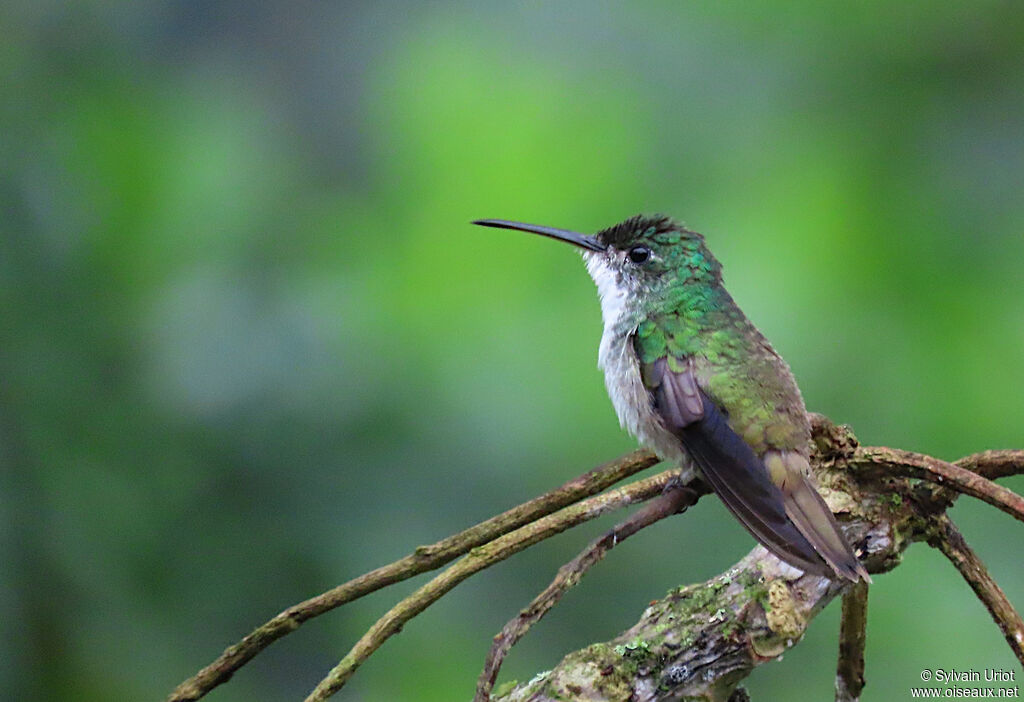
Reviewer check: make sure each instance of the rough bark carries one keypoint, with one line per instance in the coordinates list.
(700, 641)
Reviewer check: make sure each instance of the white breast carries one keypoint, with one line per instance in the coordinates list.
(621, 368)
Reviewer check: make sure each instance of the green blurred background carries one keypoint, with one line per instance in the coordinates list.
(251, 346)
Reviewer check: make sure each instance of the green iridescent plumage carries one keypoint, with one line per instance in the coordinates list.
(693, 316)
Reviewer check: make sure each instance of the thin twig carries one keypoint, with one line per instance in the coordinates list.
(988, 464)
(916, 465)
(852, 635)
(994, 464)
(701, 640)
(948, 539)
(476, 560)
(676, 498)
(424, 558)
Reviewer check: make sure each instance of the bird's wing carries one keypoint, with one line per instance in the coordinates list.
(741, 479)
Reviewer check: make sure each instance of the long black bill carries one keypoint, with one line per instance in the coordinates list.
(581, 240)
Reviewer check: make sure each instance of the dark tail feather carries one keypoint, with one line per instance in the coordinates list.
(740, 480)
(766, 521)
(815, 521)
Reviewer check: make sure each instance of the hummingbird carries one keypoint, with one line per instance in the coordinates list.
(696, 382)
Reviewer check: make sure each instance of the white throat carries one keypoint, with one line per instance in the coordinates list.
(609, 288)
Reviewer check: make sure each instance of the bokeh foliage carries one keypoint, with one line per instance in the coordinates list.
(251, 347)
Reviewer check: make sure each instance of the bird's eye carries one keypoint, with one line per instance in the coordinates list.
(639, 254)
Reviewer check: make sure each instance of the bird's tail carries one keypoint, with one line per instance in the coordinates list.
(779, 506)
(810, 514)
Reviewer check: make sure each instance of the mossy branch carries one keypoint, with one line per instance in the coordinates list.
(852, 638)
(703, 639)
(675, 499)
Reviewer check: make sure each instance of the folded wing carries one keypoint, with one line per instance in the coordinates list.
(781, 508)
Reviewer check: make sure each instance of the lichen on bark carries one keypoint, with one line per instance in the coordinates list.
(700, 641)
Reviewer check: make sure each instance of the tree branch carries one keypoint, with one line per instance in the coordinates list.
(698, 642)
(968, 482)
(479, 558)
(675, 499)
(852, 636)
(994, 464)
(701, 641)
(423, 559)
(948, 539)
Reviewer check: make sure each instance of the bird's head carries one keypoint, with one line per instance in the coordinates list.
(639, 261)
